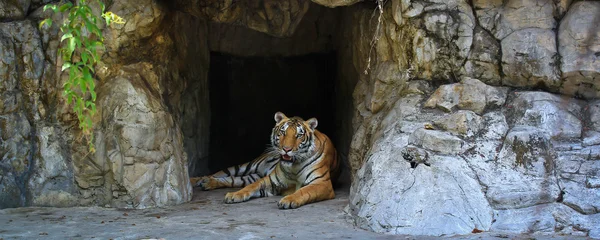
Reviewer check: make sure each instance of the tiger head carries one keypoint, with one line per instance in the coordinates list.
(293, 137)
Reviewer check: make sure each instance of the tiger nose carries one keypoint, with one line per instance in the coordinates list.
(287, 149)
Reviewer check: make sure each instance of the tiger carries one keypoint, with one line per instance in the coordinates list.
(301, 164)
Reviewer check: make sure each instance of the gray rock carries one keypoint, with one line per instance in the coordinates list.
(463, 122)
(578, 47)
(13, 10)
(571, 222)
(21, 65)
(51, 183)
(439, 49)
(593, 115)
(529, 59)
(391, 197)
(579, 195)
(558, 116)
(505, 18)
(470, 94)
(386, 82)
(525, 220)
(417, 87)
(142, 143)
(437, 141)
(495, 126)
(143, 18)
(483, 62)
(10, 194)
(524, 173)
(444, 97)
(591, 138)
(592, 182)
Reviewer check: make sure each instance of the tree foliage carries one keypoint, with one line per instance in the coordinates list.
(81, 40)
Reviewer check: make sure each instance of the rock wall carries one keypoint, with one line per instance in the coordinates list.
(464, 115)
(140, 159)
(449, 135)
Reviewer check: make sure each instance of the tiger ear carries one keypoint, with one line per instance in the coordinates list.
(279, 116)
(312, 123)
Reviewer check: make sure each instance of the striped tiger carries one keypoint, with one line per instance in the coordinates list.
(301, 164)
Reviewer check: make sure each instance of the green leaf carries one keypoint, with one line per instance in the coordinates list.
(69, 98)
(93, 93)
(65, 36)
(88, 121)
(102, 6)
(66, 66)
(84, 57)
(93, 28)
(51, 6)
(65, 7)
(86, 75)
(71, 46)
(46, 21)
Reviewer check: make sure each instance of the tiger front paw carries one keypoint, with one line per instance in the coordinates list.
(195, 181)
(205, 183)
(289, 202)
(237, 197)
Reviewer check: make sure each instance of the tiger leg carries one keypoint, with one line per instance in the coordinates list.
(308, 194)
(239, 175)
(209, 183)
(265, 187)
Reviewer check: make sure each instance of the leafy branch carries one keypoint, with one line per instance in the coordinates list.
(83, 38)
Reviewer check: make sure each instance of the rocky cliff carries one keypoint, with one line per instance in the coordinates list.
(454, 116)
(475, 115)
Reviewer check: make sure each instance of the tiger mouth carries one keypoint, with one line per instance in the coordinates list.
(286, 157)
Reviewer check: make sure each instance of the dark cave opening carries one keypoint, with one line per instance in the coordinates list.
(245, 93)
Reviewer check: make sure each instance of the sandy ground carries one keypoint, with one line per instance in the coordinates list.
(205, 217)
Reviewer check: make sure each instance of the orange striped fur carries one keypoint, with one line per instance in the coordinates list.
(301, 164)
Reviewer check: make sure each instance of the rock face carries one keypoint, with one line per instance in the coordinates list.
(455, 116)
(140, 142)
(578, 47)
(273, 17)
(450, 131)
(140, 162)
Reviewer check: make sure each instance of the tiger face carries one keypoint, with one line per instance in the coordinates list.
(293, 137)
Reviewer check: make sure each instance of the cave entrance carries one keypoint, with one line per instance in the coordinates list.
(245, 93)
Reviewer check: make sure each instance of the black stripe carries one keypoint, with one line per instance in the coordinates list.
(273, 160)
(252, 177)
(237, 169)
(271, 182)
(311, 162)
(248, 166)
(262, 192)
(274, 165)
(232, 181)
(316, 178)
(228, 172)
(308, 175)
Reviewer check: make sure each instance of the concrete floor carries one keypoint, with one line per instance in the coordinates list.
(205, 217)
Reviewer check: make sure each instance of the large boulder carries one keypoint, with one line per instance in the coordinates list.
(138, 143)
(578, 45)
(529, 59)
(440, 198)
(558, 116)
